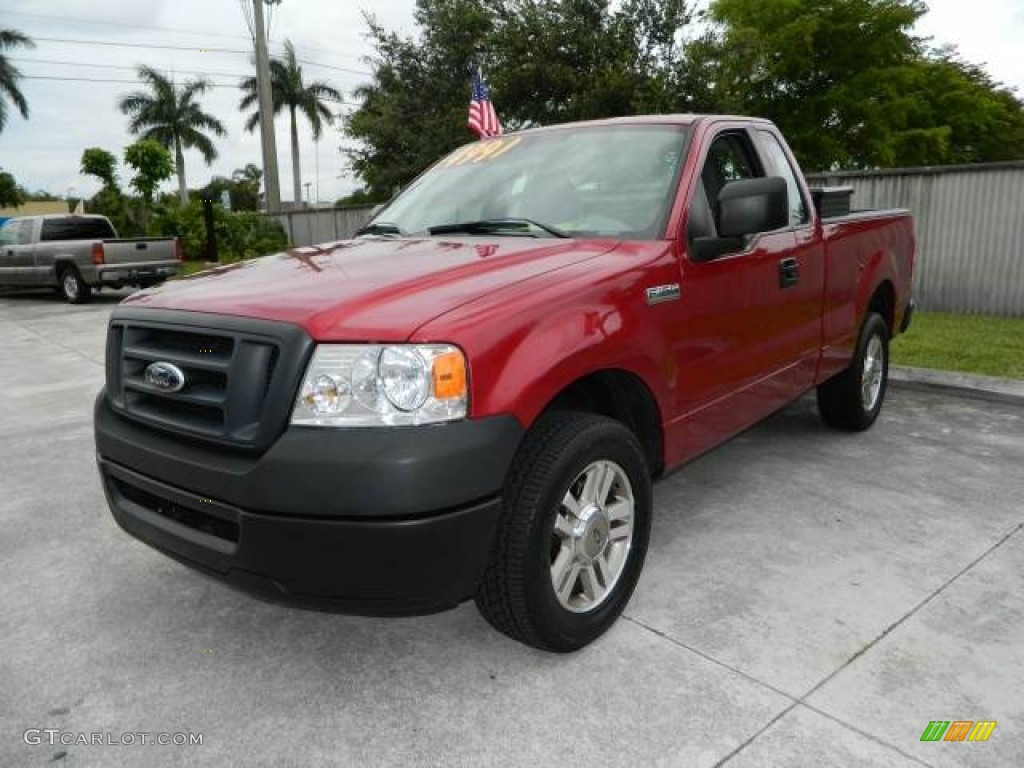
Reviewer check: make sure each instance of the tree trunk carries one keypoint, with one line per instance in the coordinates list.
(296, 171)
(179, 158)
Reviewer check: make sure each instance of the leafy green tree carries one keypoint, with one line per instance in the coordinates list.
(243, 188)
(153, 165)
(109, 201)
(359, 197)
(290, 91)
(585, 59)
(251, 174)
(850, 85)
(240, 235)
(102, 165)
(968, 117)
(415, 108)
(547, 62)
(40, 196)
(11, 39)
(11, 195)
(174, 117)
(846, 80)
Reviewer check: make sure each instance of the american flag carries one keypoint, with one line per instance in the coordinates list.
(483, 120)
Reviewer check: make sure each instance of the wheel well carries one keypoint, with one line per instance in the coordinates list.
(60, 266)
(622, 396)
(883, 301)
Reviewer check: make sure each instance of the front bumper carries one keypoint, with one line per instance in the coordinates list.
(382, 521)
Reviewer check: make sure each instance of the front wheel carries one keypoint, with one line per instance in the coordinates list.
(853, 399)
(573, 534)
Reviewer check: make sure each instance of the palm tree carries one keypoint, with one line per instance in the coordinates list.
(172, 116)
(250, 174)
(10, 75)
(289, 90)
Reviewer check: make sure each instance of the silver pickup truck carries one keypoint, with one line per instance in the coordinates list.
(76, 254)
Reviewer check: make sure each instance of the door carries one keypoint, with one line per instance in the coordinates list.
(16, 251)
(804, 298)
(737, 355)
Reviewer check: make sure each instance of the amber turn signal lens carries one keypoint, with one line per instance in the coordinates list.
(449, 375)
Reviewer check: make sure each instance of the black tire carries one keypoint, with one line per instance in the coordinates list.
(72, 287)
(841, 401)
(517, 595)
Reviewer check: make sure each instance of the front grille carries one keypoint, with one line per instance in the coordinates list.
(236, 390)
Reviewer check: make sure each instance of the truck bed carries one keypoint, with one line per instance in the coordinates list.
(862, 249)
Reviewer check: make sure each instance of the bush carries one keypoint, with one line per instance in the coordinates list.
(242, 235)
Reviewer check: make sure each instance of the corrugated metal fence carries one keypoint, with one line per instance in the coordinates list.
(969, 221)
(323, 225)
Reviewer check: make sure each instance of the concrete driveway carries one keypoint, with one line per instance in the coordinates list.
(810, 599)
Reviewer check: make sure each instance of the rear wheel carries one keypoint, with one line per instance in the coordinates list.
(72, 287)
(573, 535)
(853, 399)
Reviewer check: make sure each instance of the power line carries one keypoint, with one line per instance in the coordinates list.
(111, 23)
(120, 66)
(131, 68)
(107, 80)
(166, 47)
(113, 44)
(136, 82)
(173, 30)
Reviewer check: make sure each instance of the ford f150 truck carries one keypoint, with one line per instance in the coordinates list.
(470, 399)
(76, 254)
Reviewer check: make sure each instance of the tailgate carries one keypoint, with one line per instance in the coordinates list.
(139, 250)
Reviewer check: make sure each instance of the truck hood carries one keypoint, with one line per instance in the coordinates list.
(368, 289)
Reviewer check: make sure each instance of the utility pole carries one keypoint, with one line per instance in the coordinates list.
(267, 138)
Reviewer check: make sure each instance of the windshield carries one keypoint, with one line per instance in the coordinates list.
(605, 181)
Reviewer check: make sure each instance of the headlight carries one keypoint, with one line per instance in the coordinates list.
(367, 385)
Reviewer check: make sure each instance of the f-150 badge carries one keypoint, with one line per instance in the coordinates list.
(660, 293)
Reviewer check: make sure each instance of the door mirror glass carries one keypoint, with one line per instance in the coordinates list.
(749, 206)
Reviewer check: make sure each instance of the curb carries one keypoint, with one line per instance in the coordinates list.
(989, 388)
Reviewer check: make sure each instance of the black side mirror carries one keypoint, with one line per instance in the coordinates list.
(748, 206)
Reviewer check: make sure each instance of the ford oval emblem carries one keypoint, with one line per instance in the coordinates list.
(166, 377)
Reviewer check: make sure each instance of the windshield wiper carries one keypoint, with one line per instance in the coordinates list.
(380, 228)
(495, 225)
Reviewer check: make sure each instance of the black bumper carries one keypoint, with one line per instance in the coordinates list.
(376, 521)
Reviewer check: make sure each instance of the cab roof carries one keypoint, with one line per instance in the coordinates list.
(674, 119)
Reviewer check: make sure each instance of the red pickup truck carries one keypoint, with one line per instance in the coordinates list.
(470, 399)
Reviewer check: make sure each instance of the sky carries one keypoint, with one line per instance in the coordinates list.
(69, 115)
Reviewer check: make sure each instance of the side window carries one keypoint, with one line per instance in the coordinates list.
(92, 229)
(9, 233)
(16, 233)
(730, 158)
(75, 229)
(54, 229)
(780, 166)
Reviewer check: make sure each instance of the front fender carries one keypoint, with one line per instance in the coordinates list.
(528, 342)
(567, 348)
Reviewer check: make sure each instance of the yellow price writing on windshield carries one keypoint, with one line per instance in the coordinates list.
(479, 152)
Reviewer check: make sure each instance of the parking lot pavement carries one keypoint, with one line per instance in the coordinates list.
(810, 599)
